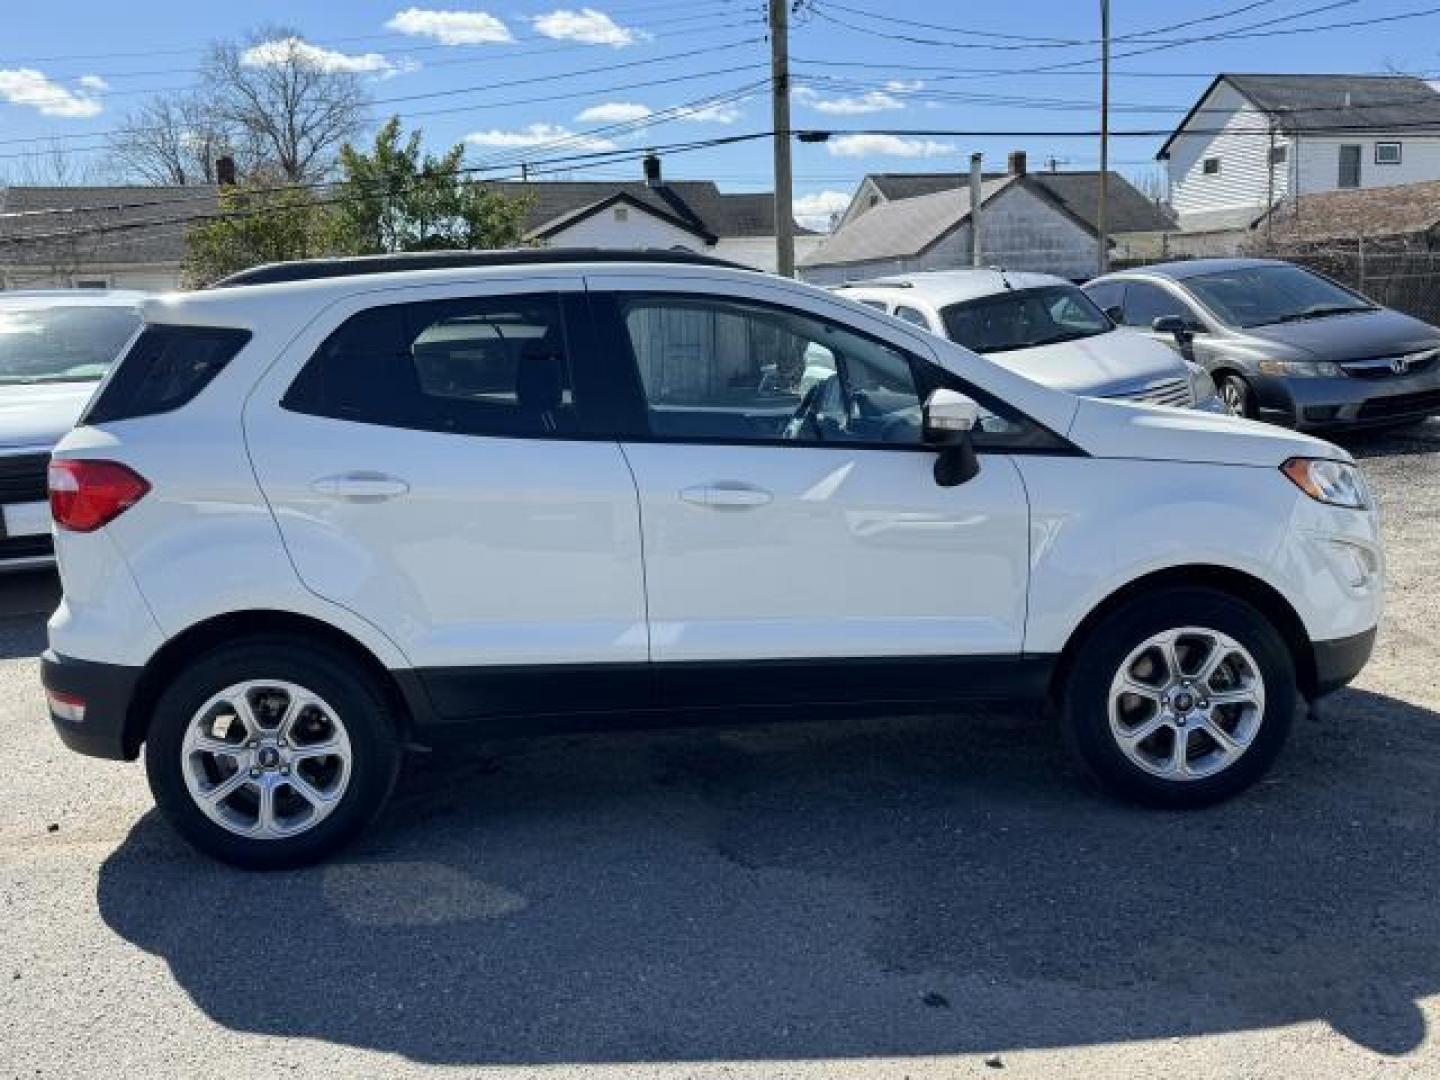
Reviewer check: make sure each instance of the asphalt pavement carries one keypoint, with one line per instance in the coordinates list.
(904, 897)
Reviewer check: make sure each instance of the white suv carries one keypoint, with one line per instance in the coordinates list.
(344, 506)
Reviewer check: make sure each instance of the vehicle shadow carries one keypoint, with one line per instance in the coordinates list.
(26, 601)
(846, 889)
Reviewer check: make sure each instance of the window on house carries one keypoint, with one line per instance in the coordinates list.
(1387, 153)
(622, 213)
(1279, 155)
(90, 282)
(1210, 166)
(1349, 167)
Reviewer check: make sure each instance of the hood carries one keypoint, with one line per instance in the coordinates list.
(1360, 336)
(1104, 365)
(39, 414)
(1112, 429)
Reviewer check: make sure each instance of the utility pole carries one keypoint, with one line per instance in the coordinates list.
(1102, 214)
(977, 176)
(780, 108)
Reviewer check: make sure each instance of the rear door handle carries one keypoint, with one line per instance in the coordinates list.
(726, 494)
(361, 486)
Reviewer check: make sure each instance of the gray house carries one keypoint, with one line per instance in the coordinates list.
(1045, 222)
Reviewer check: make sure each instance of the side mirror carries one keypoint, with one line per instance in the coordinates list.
(1178, 325)
(1115, 314)
(948, 419)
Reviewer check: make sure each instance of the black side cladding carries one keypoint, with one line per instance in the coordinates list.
(165, 368)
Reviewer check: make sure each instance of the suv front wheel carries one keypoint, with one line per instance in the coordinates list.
(1179, 698)
(270, 753)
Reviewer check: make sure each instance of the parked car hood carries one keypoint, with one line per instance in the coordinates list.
(39, 414)
(1359, 336)
(1112, 429)
(1119, 362)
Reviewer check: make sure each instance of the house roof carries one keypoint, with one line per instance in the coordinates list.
(902, 228)
(1079, 192)
(1402, 210)
(1325, 102)
(141, 223)
(580, 213)
(698, 203)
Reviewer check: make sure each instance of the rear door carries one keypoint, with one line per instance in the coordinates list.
(436, 465)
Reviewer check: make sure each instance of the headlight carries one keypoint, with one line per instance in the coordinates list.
(1202, 386)
(1303, 369)
(1337, 483)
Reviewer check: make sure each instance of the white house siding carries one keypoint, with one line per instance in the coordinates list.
(155, 277)
(632, 229)
(759, 251)
(1019, 230)
(1227, 127)
(1318, 160)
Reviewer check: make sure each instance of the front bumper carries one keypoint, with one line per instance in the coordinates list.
(107, 691)
(1346, 401)
(1339, 661)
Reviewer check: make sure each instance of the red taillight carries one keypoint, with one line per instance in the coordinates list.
(84, 495)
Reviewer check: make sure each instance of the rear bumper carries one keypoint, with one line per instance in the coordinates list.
(1340, 660)
(107, 691)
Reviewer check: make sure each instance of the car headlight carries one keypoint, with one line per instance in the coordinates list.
(1303, 369)
(1202, 386)
(1337, 483)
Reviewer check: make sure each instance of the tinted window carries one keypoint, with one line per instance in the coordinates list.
(1260, 295)
(1024, 319)
(1107, 295)
(735, 371)
(485, 366)
(1144, 303)
(61, 342)
(165, 368)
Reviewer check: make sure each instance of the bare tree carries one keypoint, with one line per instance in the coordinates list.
(172, 141)
(290, 109)
(56, 165)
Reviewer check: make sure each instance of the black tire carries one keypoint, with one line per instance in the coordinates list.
(1236, 394)
(1085, 694)
(369, 719)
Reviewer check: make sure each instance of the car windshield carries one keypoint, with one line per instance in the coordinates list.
(1024, 319)
(61, 342)
(1264, 295)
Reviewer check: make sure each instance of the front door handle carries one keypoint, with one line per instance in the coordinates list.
(361, 486)
(726, 495)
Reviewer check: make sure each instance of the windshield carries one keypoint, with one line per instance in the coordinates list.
(61, 342)
(1024, 318)
(1263, 295)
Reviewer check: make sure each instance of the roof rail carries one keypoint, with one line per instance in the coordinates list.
(877, 283)
(309, 269)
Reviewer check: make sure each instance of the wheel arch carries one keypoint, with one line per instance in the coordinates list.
(1259, 594)
(403, 687)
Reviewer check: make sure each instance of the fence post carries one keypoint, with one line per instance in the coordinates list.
(1360, 260)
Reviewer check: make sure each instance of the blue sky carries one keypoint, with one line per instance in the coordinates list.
(543, 79)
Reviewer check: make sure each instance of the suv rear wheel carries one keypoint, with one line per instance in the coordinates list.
(1179, 698)
(272, 753)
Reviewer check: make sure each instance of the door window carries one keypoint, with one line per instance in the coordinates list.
(1106, 294)
(482, 366)
(1144, 303)
(913, 316)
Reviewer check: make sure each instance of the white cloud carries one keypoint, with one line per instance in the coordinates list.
(26, 86)
(814, 210)
(887, 146)
(299, 51)
(94, 82)
(615, 111)
(451, 27)
(719, 113)
(538, 134)
(872, 101)
(587, 25)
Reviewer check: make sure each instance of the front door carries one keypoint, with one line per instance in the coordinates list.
(791, 515)
(430, 470)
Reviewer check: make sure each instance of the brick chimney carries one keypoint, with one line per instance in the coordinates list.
(1016, 165)
(652, 171)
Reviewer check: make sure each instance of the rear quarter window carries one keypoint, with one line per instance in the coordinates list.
(165, 368)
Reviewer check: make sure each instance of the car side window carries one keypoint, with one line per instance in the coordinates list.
(1107, 295)
(1144, 303)
(714, 368)
(479, 366)
(914, 316)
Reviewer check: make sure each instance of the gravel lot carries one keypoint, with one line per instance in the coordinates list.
(918, 897)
